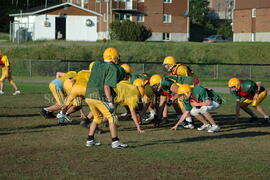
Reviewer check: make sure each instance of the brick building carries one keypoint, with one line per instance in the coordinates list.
(167, 19)
(251, 20)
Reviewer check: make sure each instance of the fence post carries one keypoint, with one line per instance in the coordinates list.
(250, 72)
(217, 72)
(143, 68)
(68, 66)
(30, 68)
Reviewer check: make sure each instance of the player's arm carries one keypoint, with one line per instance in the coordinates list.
(205, 103)
(182, 118)
(107, 90)
(237, 109)
(161, 106)
(174, 90)
(259, 85)
(135, 119)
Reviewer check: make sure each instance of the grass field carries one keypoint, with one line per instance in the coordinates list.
(35, 148)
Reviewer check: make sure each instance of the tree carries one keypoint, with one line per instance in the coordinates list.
(129, 31)
(199, 11)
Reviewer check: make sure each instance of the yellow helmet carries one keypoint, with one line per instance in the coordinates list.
(71, 74)
(111, 54)
(91, 66)
(138, 82)
(234, 82)
(169, 60)
(127, 68)
(155, 79)
(184, 89)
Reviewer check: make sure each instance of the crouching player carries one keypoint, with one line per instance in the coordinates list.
(199, 101)
(147, 97)
(59, 87)
(128, 95)
(167, 87)
(253, 94)
(76, 94)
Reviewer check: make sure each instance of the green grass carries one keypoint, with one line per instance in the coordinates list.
(4, 36)
(35, 148)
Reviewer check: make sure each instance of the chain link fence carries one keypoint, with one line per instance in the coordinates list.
(33, 68)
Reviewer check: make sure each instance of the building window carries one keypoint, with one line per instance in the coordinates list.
(167, 1)
(140, 18)
(167, 18)
(97, 1)
(140, 0)
(123, 17)
(253, 12)
(166, 36)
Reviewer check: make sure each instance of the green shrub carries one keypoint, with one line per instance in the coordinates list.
(129, 31)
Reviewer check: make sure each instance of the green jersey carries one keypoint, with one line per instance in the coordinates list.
(201, 94)
(102, 74)
(121, 73)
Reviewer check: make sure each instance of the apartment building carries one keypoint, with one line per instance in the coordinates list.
(222, 9)
(167, 19)
(251, 20)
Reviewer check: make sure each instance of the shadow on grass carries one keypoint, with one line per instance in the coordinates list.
(33, 128)
(204, 138)
(19, 115)
(31, 107)
(9, 133)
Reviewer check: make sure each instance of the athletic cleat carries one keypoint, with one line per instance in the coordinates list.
(44, 113)
(118, 145)
(189, 126)
(16, 92)
(92, 143)
(214, 128)
(204, 127)
(1, 92)
(50, 114)
(149, 116)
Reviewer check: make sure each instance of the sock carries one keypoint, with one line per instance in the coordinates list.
(189, 119)
(266, 117)
(115, 139)
(46, 109)
(90, 138)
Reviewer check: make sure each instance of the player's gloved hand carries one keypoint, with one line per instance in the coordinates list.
(110, 106)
